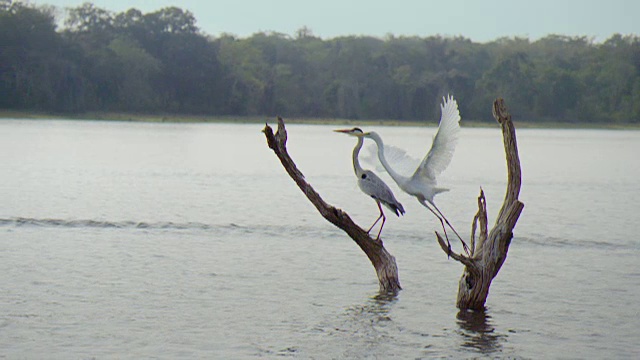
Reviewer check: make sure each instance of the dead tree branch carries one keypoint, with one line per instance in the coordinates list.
(489, 251)
(383, 262)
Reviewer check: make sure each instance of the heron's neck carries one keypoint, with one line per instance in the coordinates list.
(394, 175)
(356, 162)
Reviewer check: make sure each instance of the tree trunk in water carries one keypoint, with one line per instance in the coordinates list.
(489, 251)
(383, 262)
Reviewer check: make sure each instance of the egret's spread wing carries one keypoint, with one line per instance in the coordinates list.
(444, 143)
(399, 160)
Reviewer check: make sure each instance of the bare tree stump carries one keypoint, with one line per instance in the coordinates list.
(383, 262)
(489, 250)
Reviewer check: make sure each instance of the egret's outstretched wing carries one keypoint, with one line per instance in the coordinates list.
(444, 143)
(401, 162)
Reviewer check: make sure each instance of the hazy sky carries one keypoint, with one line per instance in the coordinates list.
(479, 20)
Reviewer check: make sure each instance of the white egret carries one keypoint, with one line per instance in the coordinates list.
(422, 183)
(371, 184)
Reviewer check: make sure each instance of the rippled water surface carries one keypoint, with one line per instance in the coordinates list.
(128, 240)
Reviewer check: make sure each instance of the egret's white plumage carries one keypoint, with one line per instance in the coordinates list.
(422, 182)
(371, 184)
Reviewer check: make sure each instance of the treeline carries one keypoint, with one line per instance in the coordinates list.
(160, 62)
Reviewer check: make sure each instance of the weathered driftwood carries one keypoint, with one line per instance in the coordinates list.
(383, 262)
(489, 250)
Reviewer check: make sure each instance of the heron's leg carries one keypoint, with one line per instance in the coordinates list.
(464, 245)
(374, 224)
(384, 219)
(378, 219)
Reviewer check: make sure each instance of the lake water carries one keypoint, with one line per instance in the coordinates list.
(139, 240)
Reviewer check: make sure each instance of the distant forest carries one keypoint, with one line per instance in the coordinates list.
(161, 63)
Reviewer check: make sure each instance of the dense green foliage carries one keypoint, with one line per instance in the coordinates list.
(160, 62)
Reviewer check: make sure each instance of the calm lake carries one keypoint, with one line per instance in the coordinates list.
(142, 240)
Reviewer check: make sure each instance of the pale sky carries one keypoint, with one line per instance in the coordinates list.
(479, 20)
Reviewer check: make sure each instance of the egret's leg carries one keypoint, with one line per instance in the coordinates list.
(464, 245)
(441, 222)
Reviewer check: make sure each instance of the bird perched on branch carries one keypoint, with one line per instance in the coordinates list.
(371, 184)
(421, 183)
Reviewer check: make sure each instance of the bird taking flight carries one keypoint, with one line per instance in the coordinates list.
(371, 184)
(422, 182)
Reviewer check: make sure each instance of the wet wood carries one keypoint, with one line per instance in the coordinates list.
(383, 262)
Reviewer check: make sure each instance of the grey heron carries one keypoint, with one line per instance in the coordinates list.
(371, 184)
(422, 182)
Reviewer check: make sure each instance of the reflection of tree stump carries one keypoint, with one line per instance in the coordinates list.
(383, 262)
(489, 251)
(478, 333)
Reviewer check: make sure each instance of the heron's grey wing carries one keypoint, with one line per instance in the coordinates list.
(444, 142)
(372, 185)
(401, 162)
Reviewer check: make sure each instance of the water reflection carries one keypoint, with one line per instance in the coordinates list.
(478, 333)
(374, 311)
(384, 299)
(367, 330)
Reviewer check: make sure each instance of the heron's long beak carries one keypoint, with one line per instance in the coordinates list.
(345, 131)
